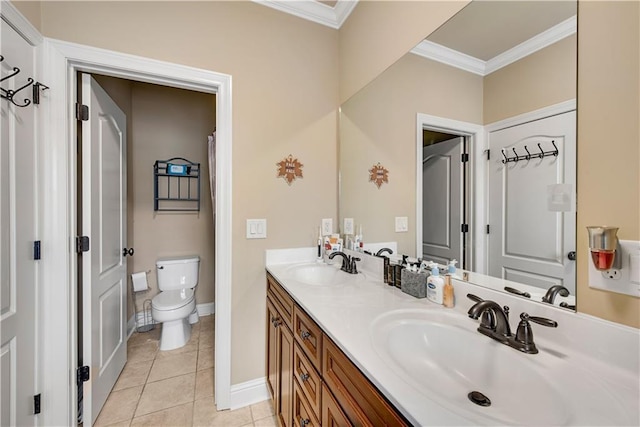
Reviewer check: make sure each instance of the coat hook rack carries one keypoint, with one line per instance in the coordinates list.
(542, 154)
(10, 94)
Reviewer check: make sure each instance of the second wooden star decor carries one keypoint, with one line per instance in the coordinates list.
(378, 174)
(289, 169)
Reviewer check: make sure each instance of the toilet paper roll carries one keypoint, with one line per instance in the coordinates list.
(139, 281)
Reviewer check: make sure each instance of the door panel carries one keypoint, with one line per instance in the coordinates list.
(531, 203)
(18, 231)
(104, 267)
(442, 201)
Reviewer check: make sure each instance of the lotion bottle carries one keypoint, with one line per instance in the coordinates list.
(435, 285)
(451, 269)
(447, 292)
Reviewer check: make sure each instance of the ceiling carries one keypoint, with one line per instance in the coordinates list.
(483, 37)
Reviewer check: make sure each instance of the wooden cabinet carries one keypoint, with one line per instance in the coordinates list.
(279, 353)
(311, 381)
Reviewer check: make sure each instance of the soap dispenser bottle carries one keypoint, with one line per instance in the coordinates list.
(447, 292)
(451, 268)
(435, 285)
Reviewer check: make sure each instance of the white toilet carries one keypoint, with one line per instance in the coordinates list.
(175, 305)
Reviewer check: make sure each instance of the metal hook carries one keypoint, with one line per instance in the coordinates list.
(505, 156)
(541, 155)
(555, 153)
(16, 70)
(516, 154)
(10, 94)
(528, 156)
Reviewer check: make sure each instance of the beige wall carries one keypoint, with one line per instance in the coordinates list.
(285, 98)
(608, 141)
(378, 33)
(544, 78)
(30, 10)
(378, 124)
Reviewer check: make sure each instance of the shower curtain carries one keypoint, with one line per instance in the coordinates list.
(212, 171)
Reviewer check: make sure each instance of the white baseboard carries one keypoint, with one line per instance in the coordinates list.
(206, 309)
(248, 393)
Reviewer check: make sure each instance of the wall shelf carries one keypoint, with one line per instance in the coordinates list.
(176, 185)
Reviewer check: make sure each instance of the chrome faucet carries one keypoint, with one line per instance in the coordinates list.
(550, 296)
(348, 263)
(495, 324)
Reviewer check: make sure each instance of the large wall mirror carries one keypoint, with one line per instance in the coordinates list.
(476, 128)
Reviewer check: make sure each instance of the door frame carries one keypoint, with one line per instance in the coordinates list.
(477, 171)
(62, 61)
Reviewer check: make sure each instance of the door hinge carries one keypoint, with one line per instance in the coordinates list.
(464, 157)
(464, 228)
(82, 244)
(36, 404)
(82, 374)
(82, 112)
(487, 228)
(488, 154)
(36, 250)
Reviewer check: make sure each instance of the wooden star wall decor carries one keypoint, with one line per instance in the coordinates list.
(289, 169)
(378, 174)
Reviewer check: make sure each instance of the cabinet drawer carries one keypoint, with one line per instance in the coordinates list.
(308, 379)
(303, 416)
(358, 398)
(308, 335)
(281, 299)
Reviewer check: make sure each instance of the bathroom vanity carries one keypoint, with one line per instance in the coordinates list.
(347, 349)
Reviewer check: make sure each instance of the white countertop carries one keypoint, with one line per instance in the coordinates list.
(346, 314)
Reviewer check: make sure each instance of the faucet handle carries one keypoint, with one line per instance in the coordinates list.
(540, 320)
(472, 297)
(524, 334)
(353, 267)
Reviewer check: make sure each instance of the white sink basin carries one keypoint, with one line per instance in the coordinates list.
(442, 355)
(322, 275)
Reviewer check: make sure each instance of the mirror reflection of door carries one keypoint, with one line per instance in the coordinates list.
(540, 192)
(443, 197)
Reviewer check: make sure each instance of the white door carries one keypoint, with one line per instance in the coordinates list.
(442, 201)
(532, 215)
(104, 267)
(18, 221)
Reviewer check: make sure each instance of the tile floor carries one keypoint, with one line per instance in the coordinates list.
(174, 388)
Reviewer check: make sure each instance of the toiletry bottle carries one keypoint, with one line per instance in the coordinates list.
(319, 259)
(435, 285)
(451, 269)
(447, 292)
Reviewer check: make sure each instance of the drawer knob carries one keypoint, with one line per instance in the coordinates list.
(304, 377)
(276, 322)
(304, 422)
(305, 335)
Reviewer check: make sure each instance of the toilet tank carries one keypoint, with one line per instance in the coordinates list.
(177, 273)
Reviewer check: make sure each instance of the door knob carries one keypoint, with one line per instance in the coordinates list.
(126, 251)
(572, 255)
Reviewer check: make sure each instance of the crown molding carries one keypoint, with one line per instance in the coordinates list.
(468, 63)
(314, 11)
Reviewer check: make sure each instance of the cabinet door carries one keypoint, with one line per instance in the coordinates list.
(285, 375)
(272, 351)
(332, 415)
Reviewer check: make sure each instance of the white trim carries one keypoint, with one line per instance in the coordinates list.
(61, 62)
(206, 309)
(14, 18)
(313, 10)
(445, 55)
(248, 393)
(478, 173)
(552, 110)
(534, 44)
(430, 50)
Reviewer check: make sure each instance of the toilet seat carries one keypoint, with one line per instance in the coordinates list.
(172, 300)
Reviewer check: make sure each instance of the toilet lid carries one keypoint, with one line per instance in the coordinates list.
(171, 300)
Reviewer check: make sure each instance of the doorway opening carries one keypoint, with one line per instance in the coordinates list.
(159, 123)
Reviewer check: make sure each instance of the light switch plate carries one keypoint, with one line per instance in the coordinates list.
(327, 226)
(624, 280)
(256, 229)
(348, 226)
(402, 224)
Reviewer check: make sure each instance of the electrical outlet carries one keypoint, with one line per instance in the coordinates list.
(327, 226)
(612, 274)
(348, 226)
